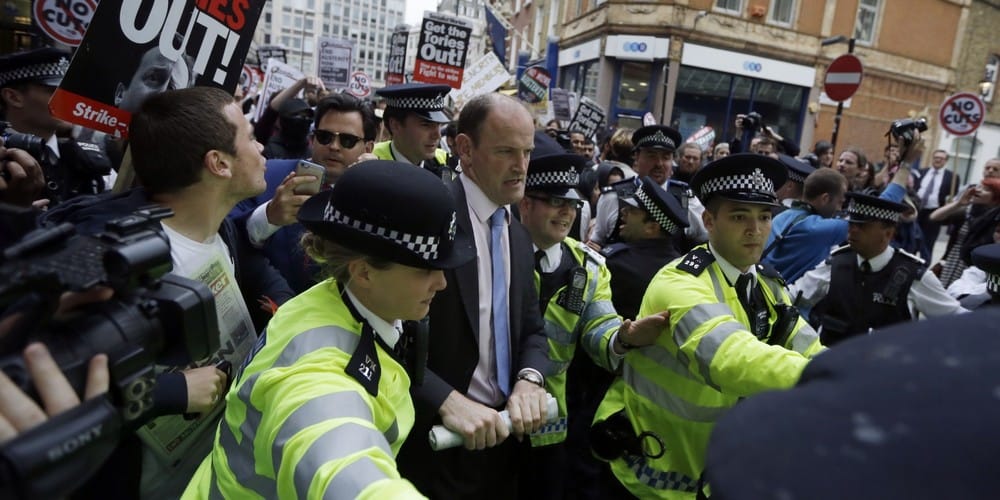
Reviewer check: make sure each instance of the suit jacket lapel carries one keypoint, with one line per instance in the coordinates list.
(466, 275)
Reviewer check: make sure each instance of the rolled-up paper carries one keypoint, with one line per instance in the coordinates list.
(442, 438)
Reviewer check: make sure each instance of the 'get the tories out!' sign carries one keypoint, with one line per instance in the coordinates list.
(444, 43)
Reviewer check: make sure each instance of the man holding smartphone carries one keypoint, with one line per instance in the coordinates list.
(343, 134)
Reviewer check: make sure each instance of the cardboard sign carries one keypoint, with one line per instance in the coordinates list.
(483, 76)
(397, 55)
(444, 43)
(265, 52)
(333, 62)
(361, 85)
(142, 47)
(560, 104)
(588, 117)
(279, 76)
(533, 88)
(64, 21)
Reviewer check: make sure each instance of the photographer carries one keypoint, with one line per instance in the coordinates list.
(27, 81)
(21, 179)
(752, 124)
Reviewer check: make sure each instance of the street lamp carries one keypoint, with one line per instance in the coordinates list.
(985, 85)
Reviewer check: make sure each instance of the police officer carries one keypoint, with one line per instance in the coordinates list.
(791, 190)
(322, 405)
(575, 299)
(27, 81)
(987, 258)
(651, 219)
(733, 333)
(413, 116)
(868, 284)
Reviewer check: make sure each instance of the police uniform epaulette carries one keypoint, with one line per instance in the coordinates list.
(613, 248)
(765, 269)
(696, 261)
(591, 253)
(912, 256)
(840, 249)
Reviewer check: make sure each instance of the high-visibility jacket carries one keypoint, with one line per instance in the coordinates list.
(678, 387)
(579, 313)
(298, 425)
(384, 152)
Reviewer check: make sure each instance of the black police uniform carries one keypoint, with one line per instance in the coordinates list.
(987, 258)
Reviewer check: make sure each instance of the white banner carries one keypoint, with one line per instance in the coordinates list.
(279, 76)
(483, 76)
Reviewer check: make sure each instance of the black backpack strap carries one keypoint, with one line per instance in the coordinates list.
(778, 239)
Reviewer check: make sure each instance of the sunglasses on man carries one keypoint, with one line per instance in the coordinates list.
(325, 137)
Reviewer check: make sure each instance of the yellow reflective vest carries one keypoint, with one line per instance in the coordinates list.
(589, 320)
(679, 386)
(384, 152)
(297, 425)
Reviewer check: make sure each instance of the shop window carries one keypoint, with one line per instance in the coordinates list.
(781, 12)
(580, 78)
(633, 89)
(867, 21)
(729, 6)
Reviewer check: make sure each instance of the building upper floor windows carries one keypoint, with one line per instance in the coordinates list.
(782, 12)
(729, 6)
(866, 24)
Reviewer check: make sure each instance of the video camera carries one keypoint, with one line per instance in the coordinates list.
(152, 313)
(34, 145)
(752, 123)
(905, 129)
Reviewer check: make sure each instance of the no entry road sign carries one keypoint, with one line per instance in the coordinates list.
(843, 77)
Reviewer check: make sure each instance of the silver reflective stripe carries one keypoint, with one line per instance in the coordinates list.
(709, 344)
(352, 480)
(593, 339)
(346, 404)
(775, 289)
(597, 309)
(239, 457)
(557, 333)
(804, 338)
(696, 316)
(657, 479)
(664, 399)
(592, 273)
(336, 443)
(662, 357)
(392, 433)
(719, 294)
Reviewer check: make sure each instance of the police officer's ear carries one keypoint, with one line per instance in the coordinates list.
(11, 97)
(708, 218)
(360, 274)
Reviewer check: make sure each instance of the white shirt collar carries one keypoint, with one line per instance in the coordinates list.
(482, 207)
(53, 145)
(729, 270)
(552, 257)
(389, 332)
(399, 156)
(879, 261)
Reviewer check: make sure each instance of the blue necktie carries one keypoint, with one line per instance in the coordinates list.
(501, 332)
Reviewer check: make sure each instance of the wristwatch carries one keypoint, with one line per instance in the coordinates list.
(531, 376)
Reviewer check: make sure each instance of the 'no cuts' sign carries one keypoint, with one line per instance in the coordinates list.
(65, 21)
(962, 113)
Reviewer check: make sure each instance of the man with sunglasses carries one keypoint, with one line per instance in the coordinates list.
(413, 115)
(343, 132)
(574, 289)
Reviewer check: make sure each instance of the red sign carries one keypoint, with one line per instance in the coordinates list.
(360, 85)
(962, 113)
(843, 77)
(65, 21)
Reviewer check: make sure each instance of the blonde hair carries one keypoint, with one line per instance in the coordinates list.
(334, 258)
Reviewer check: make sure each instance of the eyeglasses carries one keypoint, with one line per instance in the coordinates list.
(325, 137)
(554, 202)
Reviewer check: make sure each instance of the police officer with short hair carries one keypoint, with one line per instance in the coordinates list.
(651, 220)
(867, 284)
(27, 81)
(791, 190)
(414, 113)
(322, 405)
(733, 334)
(575, 300)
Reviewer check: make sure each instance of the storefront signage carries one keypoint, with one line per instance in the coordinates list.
(637, 48)
(580, 53)
(726, 61)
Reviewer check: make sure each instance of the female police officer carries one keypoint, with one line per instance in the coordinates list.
(322, 404)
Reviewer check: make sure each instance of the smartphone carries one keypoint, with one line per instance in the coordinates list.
(309, 168)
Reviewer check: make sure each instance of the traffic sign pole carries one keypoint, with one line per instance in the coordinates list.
(840, 107)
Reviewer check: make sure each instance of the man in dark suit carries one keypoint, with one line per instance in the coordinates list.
(487, 345)
(934, 186)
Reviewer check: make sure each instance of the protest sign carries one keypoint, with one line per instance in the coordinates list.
(64, 21)
(588, 117)
(533, 88)
(334, 60)
(560, 104)
(397, 55)
(444, 43)
(279, 76)
(481, 77)
(141, 47)
(361, 85)
(265, 52)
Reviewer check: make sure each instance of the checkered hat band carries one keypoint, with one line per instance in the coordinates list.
(993, 283)
(655, 212)
(35, 71)
(551, 178)
(742, 182)
(657, 139)
(796, 177)
(872, 212)
(419, 103)
(424, 246)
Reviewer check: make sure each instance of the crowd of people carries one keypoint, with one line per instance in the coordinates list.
(579, 311)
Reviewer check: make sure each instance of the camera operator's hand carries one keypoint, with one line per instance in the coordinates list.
(284, 207)
(19, 413)
(205, 386)
(21, 178)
